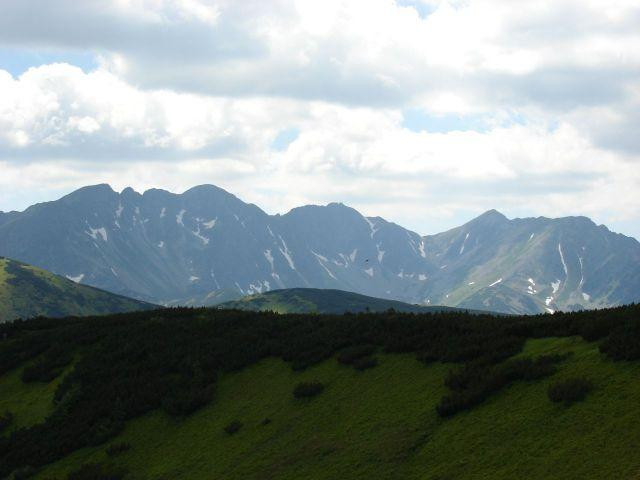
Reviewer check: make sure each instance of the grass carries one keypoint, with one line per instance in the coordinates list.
(381, 423)
(30, 403)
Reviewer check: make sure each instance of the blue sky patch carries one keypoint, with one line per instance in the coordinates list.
(285, 138)
(18, 60)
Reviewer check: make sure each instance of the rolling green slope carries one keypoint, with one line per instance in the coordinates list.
(152, 395)
(27, 291)
(316, 300)
(381, 424)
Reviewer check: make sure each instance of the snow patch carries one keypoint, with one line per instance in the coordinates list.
(550, 310)
(463, 243)
(421, 248)
(372, 226)
(95, 232)
(161, 244)
(203, 239)
(193, 278)
(581, 272)
(555, 286)
(496, 282)
(586, 296)
(210, 224)
(369, 271)
(77, 278)
(548, 301)
(180, 216)
(352, 255)
(530, 280)
(443, 267)
(163, 212)
(114, 271)
(564, 265)
(380, 253)
(286, 254)
(270, 232)
(472, 283)
(119, 210)
(531, 237)
(269, 257)
(422, 277)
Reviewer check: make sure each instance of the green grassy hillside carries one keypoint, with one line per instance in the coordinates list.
(381, 423)
(316, 300)
(27, 291)
(378, 423)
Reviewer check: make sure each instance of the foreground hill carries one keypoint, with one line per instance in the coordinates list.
(26, 291)
(315, 300)
(206, 246)
(177, 394)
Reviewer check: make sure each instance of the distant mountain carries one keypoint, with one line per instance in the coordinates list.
(533, 265)
(314, 300)
(27, 291)
(205, 246)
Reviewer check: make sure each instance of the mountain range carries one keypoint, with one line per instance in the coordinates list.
(206, 246)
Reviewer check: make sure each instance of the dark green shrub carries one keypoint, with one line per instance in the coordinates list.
(308, 389)
(569, 390)
(96, 471)
(5, 420)
(266, 421)
(365, 363)
(24, 473)
(233, 427)
(350, 355)
(475, 382)
(117, 448)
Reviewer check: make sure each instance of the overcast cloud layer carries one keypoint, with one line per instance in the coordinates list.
(425, 112)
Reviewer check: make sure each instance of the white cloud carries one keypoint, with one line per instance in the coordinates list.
(195, 91)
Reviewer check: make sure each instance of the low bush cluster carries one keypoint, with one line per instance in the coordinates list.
(365, 363)
(97, 471)
(308, 389)
(569, 390)
(5, 420)
(474, 383)
(117, 448)
(233, 427)
(350, 355)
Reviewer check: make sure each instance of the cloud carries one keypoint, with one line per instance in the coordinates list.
(414, 109)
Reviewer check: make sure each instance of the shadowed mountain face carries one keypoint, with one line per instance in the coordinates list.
(206, 246)
(27, 291)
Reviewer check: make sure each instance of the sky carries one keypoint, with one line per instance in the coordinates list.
(424, 112)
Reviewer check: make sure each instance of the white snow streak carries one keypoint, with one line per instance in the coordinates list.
(94, 232)
(77, 278)
(555, 286)
(286, 254)
(463, 244)
(163, 212)
(161, 244)
(210, 224)
(372, 226)
(380, 253)
(269, 257)
(564, 265)
(496, 282)
(180, 216)
(369, 271)
(421, 248)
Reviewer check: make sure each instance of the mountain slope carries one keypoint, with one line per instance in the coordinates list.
(381, 422)
(313, 300)
(206, 246)
(26, 291)
(533, 264)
